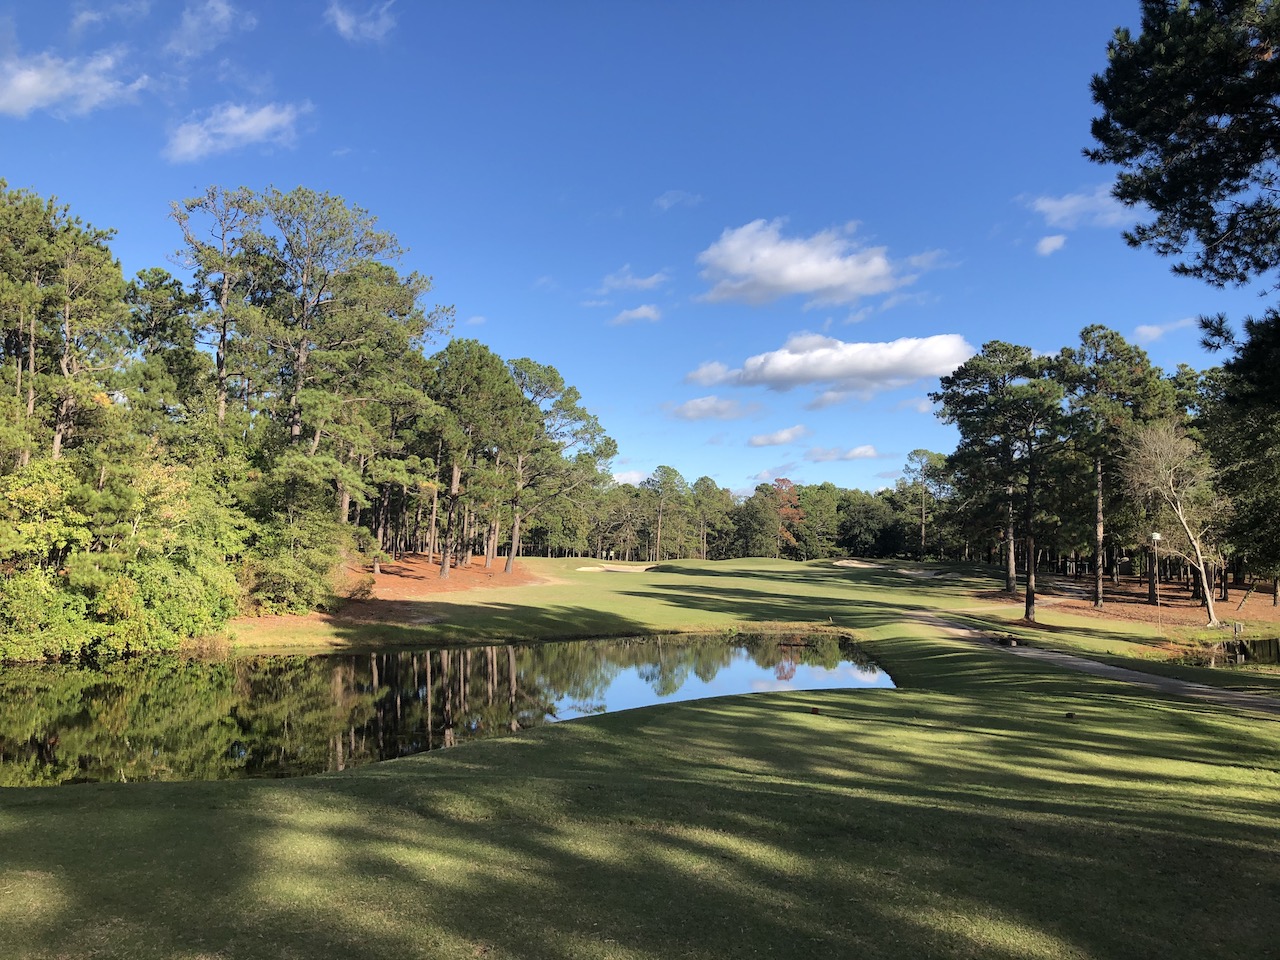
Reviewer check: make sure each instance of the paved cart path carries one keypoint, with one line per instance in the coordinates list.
(1258, 703)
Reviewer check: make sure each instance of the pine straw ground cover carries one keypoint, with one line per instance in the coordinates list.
(988, 807)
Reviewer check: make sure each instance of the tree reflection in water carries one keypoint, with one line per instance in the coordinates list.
(169, 718)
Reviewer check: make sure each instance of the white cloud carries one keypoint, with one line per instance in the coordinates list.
(206, 24)
(1095, 209)
(709, 374)
(476, 321)
(1047, 245)
(779, 437)
(829, 454)
(828, 398)
(625, 280)
(809, 359)
(87, 18)
(91, 17)
(1151, 332)
(773, 473)
(644, 312)
(597, 303)
(230, 126)
(46, 82)
(633, 477)
(709, 408)
(374, 24)
(756, 264)
(677, 198)
(918, 404)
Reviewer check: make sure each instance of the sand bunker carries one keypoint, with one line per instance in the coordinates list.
(867, 565)
(616, 568)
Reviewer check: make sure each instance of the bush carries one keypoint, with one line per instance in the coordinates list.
(40, 618)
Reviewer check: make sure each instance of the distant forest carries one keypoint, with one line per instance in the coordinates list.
(175, 453)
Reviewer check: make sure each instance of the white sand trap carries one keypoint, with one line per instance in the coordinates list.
(615, 568)
(867, 565)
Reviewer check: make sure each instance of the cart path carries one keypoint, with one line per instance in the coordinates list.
(1240, 700)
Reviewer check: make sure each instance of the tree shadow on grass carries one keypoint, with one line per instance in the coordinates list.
(859, 612)
(887, 825)
(426, 622)
(994, 808)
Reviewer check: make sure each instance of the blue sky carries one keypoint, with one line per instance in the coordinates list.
(753, 236)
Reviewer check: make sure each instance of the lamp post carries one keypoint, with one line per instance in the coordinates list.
(1155, 573)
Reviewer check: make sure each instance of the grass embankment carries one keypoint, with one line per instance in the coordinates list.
(988, 808)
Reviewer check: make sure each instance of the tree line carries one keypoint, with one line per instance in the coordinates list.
(1066, 463)
(172, 453)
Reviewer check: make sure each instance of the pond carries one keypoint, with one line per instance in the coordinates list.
(171, 718)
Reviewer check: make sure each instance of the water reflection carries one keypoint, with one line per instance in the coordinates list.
(179, 719)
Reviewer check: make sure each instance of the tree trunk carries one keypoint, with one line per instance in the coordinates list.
(433, 526)
(1098, 531)
(1153, 574)
(224, 335)
(450, 534)
(1029, 610)
(380, 531)
(515, 542)
(491, 542)
(467, 536)
(922, 530)
(1011, 561)
(300, 356)
(61, 424)
(1206, 585)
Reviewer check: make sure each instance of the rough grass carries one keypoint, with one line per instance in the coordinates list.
(989, 808)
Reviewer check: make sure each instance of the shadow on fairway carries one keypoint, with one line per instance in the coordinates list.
(990, 807)
(937, 824)
(454, 623)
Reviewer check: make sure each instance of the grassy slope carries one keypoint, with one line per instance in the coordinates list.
(963, 815)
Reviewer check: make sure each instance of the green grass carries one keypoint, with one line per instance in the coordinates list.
(989, 808)
(677, 597)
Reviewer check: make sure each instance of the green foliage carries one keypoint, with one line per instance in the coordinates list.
(1190, 121)
(290, 565)
(1240, 426)
(40, 618)
(1189, 116)
(39, 525)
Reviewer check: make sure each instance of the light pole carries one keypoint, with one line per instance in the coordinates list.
(1155, 573)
